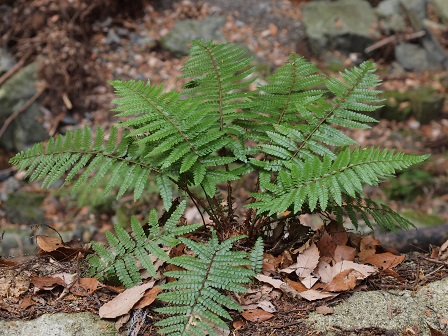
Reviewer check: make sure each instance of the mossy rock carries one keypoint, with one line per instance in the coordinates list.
(24, 208)
(424, 104)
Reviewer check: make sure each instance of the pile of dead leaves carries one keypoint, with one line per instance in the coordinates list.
(331, 263)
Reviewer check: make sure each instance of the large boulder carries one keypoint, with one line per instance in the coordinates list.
(177, 40)
(345, 25)
(27, 128)
(80, 324)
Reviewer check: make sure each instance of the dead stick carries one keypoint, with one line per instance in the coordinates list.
(20, 110)
(394, 38)
(440, 262)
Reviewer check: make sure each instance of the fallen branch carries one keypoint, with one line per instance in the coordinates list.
(394, 38)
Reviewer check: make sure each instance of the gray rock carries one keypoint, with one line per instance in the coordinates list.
(80, 324)
(6, 61)
(416, 7)
(177, 41)
(390, 310)
(441, 9)
(24, 208)
(345, 25)
(27, 128)
(391, 16)
(413, 57)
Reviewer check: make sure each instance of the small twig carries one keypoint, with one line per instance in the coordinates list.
(394, 38)
(20, 110)
(440, 262)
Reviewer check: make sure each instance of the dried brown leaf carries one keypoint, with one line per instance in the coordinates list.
(148, 298)
(124, 302)
(384, 260)
(368, 246)
(257, 315)
(344, 252)
(306, 262)
(266, 279)
(324, 310)
(313, 295)
(344, 281)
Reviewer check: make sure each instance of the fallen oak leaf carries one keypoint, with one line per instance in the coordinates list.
(124, 302)
(148, 298)
(257, 315)
(384, 260)
(368, 246)
(85, 286)
(306, 262)
(266, 279)
(344, 281)
(313, 295)
(344, 252)
(47, 283)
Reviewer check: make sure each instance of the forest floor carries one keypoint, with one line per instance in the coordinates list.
(86, 99)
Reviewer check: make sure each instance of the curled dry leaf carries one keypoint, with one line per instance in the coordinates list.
(124, 302)
(306, 262)
(237, 325)
(324, 310)
(47, 282)
(257, 315)
(266, 305)
(384, 260)
(326, 245)
(368, 246)
(344, 281)
(49, 244)
(266, 279)
(313, 295)
(85, 286)
(148, 298)
(26, 302)
(344, 252)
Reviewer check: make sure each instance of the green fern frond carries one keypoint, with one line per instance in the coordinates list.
(196, 294)
(256, 256)
(367, 209)
(316, 182)
(78, 155)
(124, 250)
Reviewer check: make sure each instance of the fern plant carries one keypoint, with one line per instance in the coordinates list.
(198, 142)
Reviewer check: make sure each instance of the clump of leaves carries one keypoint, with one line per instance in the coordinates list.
(216, 131)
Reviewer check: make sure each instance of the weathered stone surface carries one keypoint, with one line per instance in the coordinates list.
(6, 61)
(391, 310)
(441, 9)
(26, 129)
(412, 57)
(24, 208)
(346, 25)
(177, 41)
(81, 324)
(390, 14)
